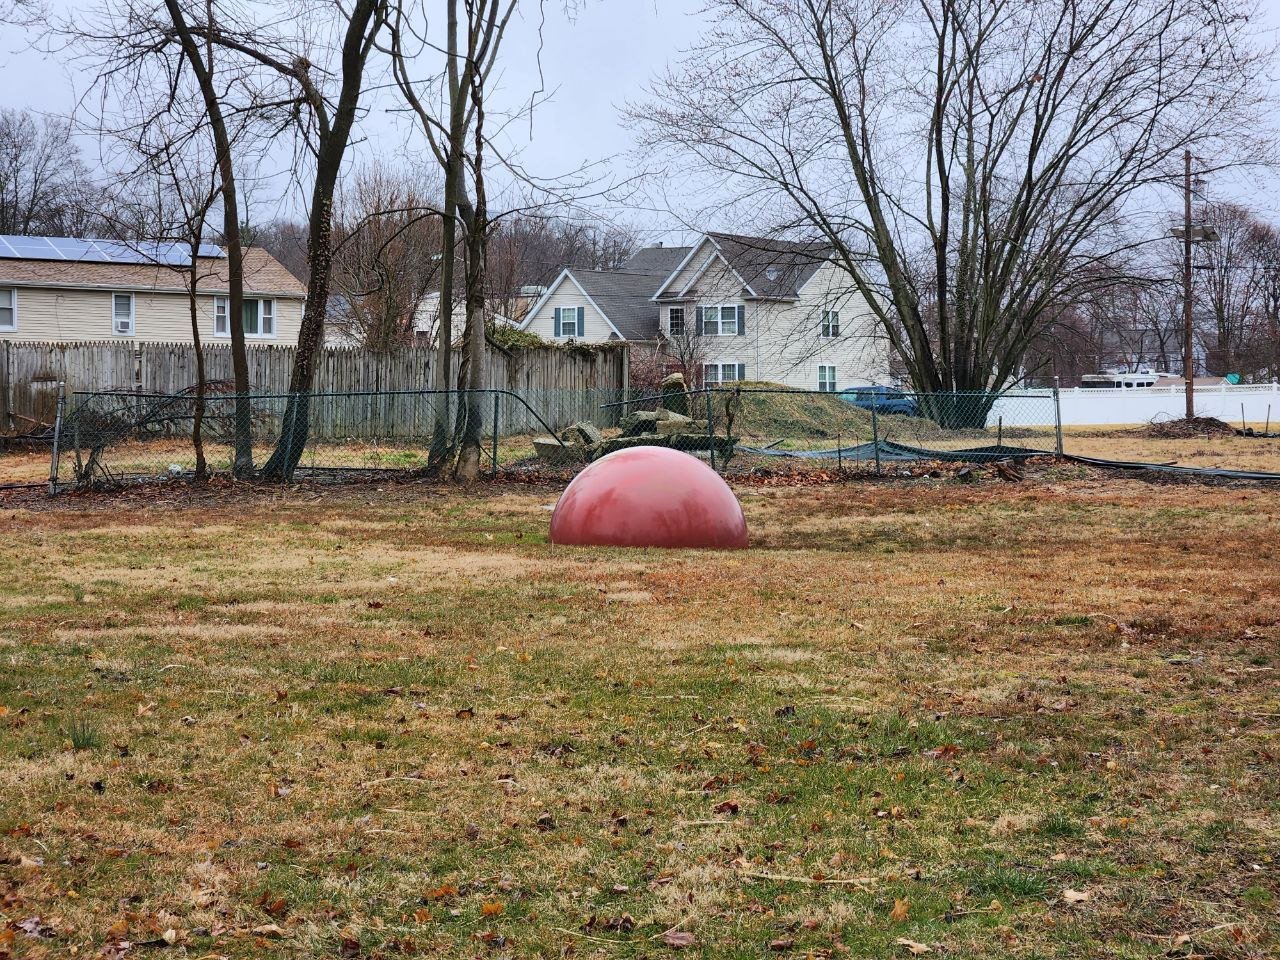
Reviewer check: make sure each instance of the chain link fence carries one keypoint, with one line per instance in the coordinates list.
(111, 438)
(868, 428)
(106, 439)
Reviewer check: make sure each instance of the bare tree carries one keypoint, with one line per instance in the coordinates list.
(457, 137)
(176, 193)
(970, 162)
(530, 251)
(285, 240)
(152, 62)
(386, 259)
(322, 103)
(1232, 278)
(45, 187)
(1265, 246)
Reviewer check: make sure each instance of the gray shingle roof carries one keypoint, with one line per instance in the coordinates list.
(625, 295)
(772, 268)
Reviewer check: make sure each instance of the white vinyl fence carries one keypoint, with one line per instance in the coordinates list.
(1258, 404)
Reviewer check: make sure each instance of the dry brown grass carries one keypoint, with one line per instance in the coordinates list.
(393, 722)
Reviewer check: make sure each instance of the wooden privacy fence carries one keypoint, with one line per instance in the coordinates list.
(572, 379)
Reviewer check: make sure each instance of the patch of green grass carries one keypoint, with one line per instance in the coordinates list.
(82, 732)
(1073, 620)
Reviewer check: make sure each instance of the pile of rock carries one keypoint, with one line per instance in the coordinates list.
(668, 426)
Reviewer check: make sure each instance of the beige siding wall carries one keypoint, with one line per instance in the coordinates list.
(566, 294)
(47, 313)
(704, 251)
(783, 342)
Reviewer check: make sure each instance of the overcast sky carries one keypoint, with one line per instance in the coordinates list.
(592, 65)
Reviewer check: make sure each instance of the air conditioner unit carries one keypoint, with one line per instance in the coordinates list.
(124, 325)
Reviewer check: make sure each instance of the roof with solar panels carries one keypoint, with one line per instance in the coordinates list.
(92, 263)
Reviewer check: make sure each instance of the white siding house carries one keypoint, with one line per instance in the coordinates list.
(742, 308)
(64, 289)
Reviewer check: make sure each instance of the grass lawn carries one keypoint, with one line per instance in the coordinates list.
(1028, 720)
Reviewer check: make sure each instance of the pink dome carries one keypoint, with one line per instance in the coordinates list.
(649, 497)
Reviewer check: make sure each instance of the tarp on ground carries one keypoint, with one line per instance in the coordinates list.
(901, 452)
(1173, 468)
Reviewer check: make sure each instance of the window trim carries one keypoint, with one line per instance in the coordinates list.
(13, 310)
(226, 302)
(739, 372)
(671, 325)
(720, 308)
(827, 385)
(829, 329)
(133, 315)
(579, 322)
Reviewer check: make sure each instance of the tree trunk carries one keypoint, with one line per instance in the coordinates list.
(443, 443)
(365, 20)
(242, 456)
(197, 420)
(477, 257)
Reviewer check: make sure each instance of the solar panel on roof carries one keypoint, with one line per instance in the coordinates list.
(101, 251)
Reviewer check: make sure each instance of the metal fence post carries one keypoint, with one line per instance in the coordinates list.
(875, 433)
(711, 430)
(57, 438)
(1057, 415)
(496, 397)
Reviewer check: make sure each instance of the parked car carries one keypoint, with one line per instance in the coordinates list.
(884, 399)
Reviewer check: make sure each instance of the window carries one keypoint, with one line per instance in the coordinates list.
(826, 379)
(122, 314)
(258, 318)
(722, 321)
(675, 321)
(723, 372)
(831, 323)
(570, 322)
(8, 309)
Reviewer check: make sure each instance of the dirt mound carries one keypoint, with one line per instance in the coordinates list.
(772, 410)
(1188, 428)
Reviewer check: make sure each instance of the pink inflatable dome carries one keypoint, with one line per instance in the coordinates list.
(649, 497)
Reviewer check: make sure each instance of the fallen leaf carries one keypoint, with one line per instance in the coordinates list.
(901, 910)
(491, 908)
(912, 946)
(679, 939)
(1074, 896)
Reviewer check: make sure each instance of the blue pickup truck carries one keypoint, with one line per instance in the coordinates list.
(884, 399)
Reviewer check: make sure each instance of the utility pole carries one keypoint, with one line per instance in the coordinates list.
(1188, 360)
(1189, 235)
